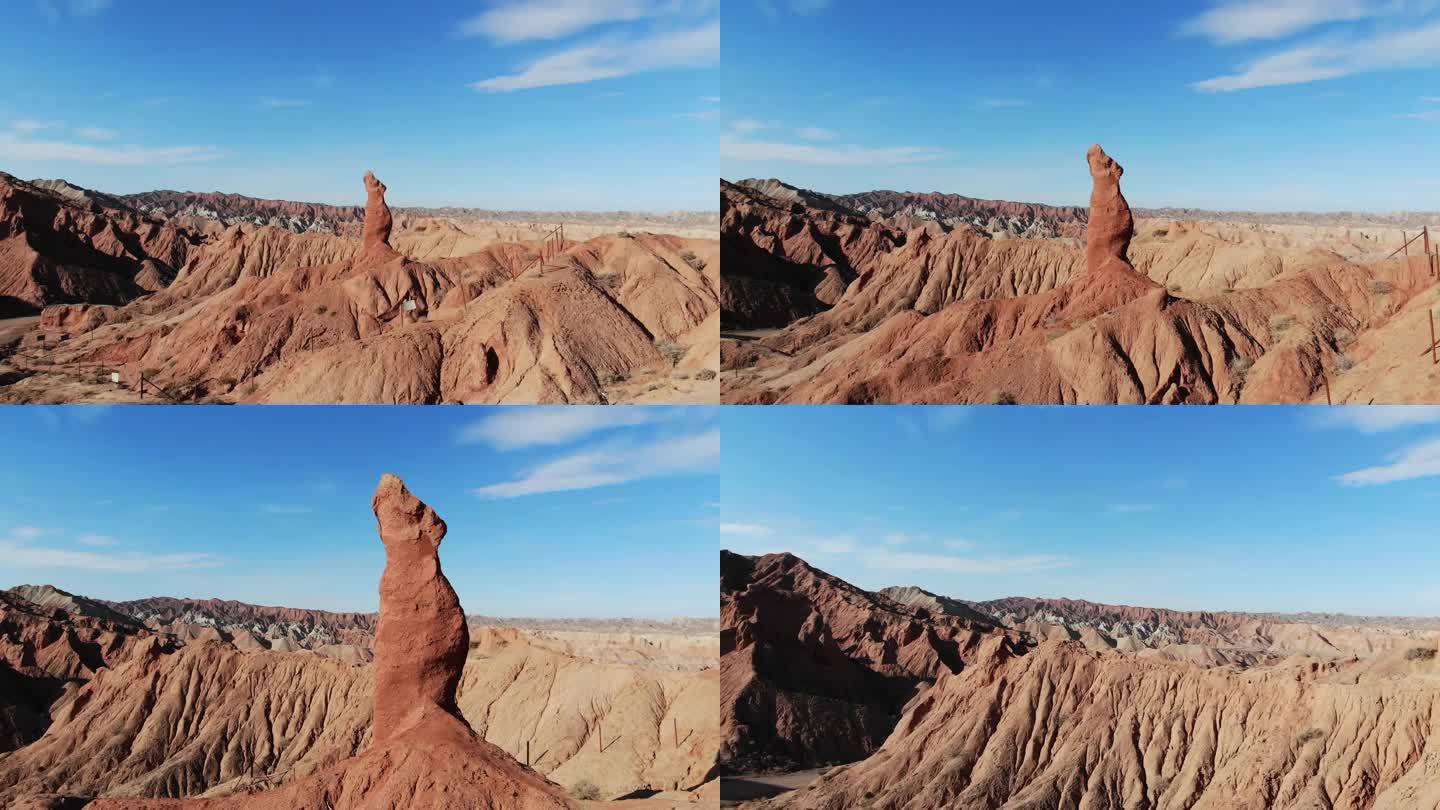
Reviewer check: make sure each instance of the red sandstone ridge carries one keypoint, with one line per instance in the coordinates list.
(961, 316)
(268, 316)
(423, 752)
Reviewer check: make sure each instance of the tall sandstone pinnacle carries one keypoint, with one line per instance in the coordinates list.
(422, 640)
(378, 220)
(1107, 242)
(423, 753)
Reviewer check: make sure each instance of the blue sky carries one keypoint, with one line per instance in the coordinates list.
(1233, 104)
(511, 104)
(1251, 508)
(571, 511)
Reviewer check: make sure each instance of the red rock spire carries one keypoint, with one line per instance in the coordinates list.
(422, 638)
(1111, 224)
(377, 218)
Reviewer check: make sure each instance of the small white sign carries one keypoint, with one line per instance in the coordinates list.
(115, 377)
(409, 305)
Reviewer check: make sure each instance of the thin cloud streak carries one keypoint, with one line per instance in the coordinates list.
(613, 58)
(779, 152)
(610, 466)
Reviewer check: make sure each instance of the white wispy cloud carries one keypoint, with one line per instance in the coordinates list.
(896, 539)
(925, 420)
(775, 151)
(1242, 20)
(29, 126)
(746, 529)
(890, 559)
(12, 148)
(614, 464)
(510, 428)
(1001, 103)
(774, 8)
(746, 126)
(1421, 460)
(20, 548)
(56, 10)
(1131, 508)
(700, 115)
(273, 103)
(520, 20)
(613, 58)
(97, 133)
(1335, 57)
(710, 99)
(1376, 418)
(816, 134)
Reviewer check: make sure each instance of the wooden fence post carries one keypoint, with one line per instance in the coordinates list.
(1433, 359)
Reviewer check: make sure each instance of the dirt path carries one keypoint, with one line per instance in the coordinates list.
(735, 790)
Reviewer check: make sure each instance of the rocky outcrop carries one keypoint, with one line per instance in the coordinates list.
(375, 239)
(270, 316)
(423, 753)
(51, 642)
(1062, 727)
(789, 257)
(816, 671)
(1111, 227)
(960, 317)
(62, 248)
(422, 639)
(1166, 722)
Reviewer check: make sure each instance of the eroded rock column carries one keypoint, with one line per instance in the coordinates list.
(422, 639)
(378, 220)
(1107, 242)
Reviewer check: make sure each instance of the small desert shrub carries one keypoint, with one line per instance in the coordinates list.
(1343, 338)
(1343, 363)
(673, 352)
(654, 387)
(691, 259)
(706, 374)
(1174, 288)
(249, 388)
(614, 378)
(1004, 398)
(610, 281)
(1379, 287)
(1420, 654)
(585, 790)
(228, 382)
(1309, 734)
(1280, 323)
(321, 310)
(1240, 366)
